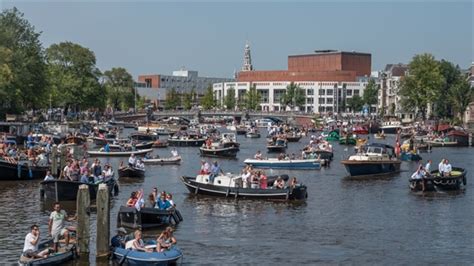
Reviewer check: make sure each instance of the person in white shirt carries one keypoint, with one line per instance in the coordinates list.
(174, 153)
(132, 160)
(30, 248)
(258, 155)
(447, 168)
(140, 164)
(441, 167)
(48, 176)
(428, 167)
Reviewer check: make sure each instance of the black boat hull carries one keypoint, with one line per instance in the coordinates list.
(298, 193)
(186, 143)
(371, 168)
(436, 182)
(230, 152)
(131, 172)
(147, 217)
(67, 190)
(10, 171)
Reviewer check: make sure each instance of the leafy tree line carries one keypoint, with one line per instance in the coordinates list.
(439, 85)
(63, 75)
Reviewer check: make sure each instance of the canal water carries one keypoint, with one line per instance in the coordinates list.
(342, 222)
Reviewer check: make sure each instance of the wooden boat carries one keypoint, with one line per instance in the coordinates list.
(11, 169)
(241, 130)
(253, 134)
(230, 186)
(279, 145)
(461, 137)
(147, 218)
(101, 152)
(65, 190)
(274, 163)
(435, 182)
(130, 171)
(410, 156)
(391, 127)
(139, 258)
(170, 160)
(144, 145)
(293, 137)
(323, 150)
(64, 255)
(190, 140)
(374, 159)
(219, 151)
(439, 142)
(160, 144)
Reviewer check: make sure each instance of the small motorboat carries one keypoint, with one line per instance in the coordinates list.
(141, 136)
(293, 137)
(12, 169)
(146, 218)
(373, 160)
(219, 151)
(231, 186)
(410, 156)
(435, 181)
(131, 171)
(170, 160)
(63, 255)
(278, 145)
(253, 133)
(101, 152)
(442, 142)
(144, 145)
(184, 139)
(134, 257)
(274, 163)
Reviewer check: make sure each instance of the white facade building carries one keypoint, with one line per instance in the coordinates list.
(321, 96)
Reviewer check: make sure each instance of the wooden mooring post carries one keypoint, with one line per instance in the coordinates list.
(54, 161)
(103, 221)
(83, 218)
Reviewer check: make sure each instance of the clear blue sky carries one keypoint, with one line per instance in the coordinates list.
(159, 37)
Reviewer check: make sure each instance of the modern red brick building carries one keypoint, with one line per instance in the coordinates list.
(323, 65)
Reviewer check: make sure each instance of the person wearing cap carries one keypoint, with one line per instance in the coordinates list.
(118, 241)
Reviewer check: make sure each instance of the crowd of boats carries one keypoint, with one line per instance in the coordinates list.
(52, 157)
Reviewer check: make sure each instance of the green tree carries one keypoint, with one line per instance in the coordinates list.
(187, 101)
(252, 98)
(229, 100)
(461, 94)
(74, 76)
(371, 91)
(451, 73)
(119, 86)
(422, 85)
(355, 103)
(294, 96)
(208, 101)
(173, 99)
(23, 79)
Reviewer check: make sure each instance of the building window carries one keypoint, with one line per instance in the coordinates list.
(322, 109)
(322, 92)
(309, 92)
(356, 92)
(277, 94)
(263, 95)
(322, 101)
(330, 92)
(309, 101)
(329, 109)
(349, 92)
(330, 101)
(148, 83)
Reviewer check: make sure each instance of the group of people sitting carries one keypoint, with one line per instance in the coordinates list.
(164, 241)
(254, 178)
(422, 172)
(162, 201)
(133, 161)
(81, 171)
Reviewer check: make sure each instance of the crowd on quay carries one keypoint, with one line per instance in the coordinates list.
(162, 201)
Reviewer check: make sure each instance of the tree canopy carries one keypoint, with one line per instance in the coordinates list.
(119, 86)
(294, 96)
(173, 99)
(207, 101)
(371, 91)
(229, 100)
(252, 98)
(355, 103)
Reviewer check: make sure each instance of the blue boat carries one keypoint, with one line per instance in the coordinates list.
(410, 156)
(133, 257)
(274, 163)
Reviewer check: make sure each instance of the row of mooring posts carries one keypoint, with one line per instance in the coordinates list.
(103, 220)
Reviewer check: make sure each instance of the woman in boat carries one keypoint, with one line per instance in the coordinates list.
(263, 180)
(279, 183)
(293, 182)
(137, 243)
(255, 182)
(165, 240)
(132, 200)
(151, 201)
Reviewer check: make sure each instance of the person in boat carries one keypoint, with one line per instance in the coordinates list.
(169, 198)
(174, 153)
(56, 225)
(151, 202)
(30, 248)
(162, 203)
(254, 180)
(48, 176)
(246, 174)
(281, 156)
(428, 167)
(97, 170)
(85, 177)
(215, 170)
(279, 183)
(419, 175)
(205, 168)
(155, 194)
(108, 172)
(137, 243)
(74, 171)
(165, 240)
(65, 173)
(107, 147)
(140, 164)
(132, 200)
(293, 182)
(118, 241)
(447, 168)
(132, 160)
(258, 156)
(441, 167)
(263, 180)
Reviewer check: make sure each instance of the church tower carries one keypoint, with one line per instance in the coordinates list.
(247, 59)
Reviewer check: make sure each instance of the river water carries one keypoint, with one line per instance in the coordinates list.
(342, 222)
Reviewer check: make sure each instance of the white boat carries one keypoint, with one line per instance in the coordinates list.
(118, 153)
(285, 164)
(170, 160)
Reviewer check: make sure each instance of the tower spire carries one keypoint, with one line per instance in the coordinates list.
(247, 58)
